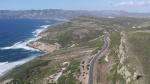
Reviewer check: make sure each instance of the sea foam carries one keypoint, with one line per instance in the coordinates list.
(23, 44)
(7, 66)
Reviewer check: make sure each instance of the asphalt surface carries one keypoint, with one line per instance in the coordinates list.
(98, 56)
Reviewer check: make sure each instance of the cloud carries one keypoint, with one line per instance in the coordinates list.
(133, 3)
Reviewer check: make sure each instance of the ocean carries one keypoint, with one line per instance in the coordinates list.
(14, 35)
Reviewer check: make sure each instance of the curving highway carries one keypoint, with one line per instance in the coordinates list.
(98, 56)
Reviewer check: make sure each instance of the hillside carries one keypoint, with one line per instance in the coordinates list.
(77, 41)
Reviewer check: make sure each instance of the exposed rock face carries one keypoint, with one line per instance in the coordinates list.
(44, 47)
(123, 57)
(129, 73)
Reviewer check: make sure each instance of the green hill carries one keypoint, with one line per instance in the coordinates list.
(127, 61)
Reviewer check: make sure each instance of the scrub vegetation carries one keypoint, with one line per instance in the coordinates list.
(127, 59)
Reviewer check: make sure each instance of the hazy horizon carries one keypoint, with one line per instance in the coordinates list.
(137, 6)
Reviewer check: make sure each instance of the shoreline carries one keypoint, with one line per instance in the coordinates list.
(37, 34)
(6, 67)
(41, 46)
(23, 44)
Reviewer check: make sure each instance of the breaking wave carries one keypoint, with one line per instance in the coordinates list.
(23, 44)
(7, 66)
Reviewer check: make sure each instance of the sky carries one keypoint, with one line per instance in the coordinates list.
(126, 5)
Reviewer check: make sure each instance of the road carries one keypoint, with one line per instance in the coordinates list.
(98, 56)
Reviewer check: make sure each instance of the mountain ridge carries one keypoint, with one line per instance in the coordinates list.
(65, 14)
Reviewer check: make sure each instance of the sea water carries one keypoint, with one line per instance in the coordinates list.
(14, 35)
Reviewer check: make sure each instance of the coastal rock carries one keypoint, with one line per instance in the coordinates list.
(44, 47)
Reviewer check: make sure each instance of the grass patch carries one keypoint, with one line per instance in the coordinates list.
(70, 73)
(102, 60)
(65, 39)
(31, 72)
(139, 45)
(115, 40)
(98, 42)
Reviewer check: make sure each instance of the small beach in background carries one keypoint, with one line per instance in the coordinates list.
(16, 35)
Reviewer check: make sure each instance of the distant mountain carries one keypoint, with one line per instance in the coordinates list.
(64, 14)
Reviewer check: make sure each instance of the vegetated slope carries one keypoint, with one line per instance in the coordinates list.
(84, 28)
(128, 59)
(139, 46)
(82, 37)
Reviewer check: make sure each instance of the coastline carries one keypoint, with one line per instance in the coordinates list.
(44, 47)
(6, 67)
(23, 44)
(31, 44)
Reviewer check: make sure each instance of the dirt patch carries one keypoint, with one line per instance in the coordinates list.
(44, 47)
